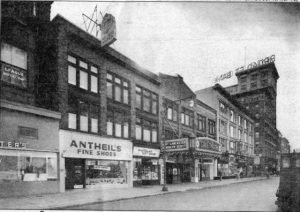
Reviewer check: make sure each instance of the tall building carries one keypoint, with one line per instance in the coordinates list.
(257, 91)
(29, 147)
(234, 130)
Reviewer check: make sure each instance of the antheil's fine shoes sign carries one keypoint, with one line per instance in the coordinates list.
(80, 145)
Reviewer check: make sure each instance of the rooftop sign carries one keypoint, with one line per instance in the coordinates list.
(108, 30)
(261, 62)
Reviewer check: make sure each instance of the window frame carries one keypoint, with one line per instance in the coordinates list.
(152, 98)
(150, 126)
(187, 115)
(211, 127)
(124, 119)
(201, 119)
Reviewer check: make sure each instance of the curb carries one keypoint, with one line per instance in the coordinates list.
(155, 194)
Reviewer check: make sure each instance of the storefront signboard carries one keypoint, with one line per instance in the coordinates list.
(206, 144)
(79, 145)
(145, 152)
(12, 145)
(175, 145)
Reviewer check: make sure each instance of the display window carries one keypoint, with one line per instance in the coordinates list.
(104, 172)
(145, 169)
(27, 166)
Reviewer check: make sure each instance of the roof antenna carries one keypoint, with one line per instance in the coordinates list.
(93, 23)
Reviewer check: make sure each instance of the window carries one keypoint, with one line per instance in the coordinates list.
(240, 134)
(240, 121)
(146, 100)
(201, 123)
(211, 127)
(243, 87)
(264, 82)
(257, 135)
(223, 143)
(232, 116)
(82, 116)
(187, 117)
(146, 130)
(254, 77)
(117, 88)
(172, 112)
(117, 124)
(245, 138)
(245, 124)
(88, 74)
(13, 65)
(223, 108)
(243, 79)
(264, 74)
(253, 85)
(232, 131)
(223, 127)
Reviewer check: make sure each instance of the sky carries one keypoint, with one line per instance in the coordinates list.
(201, 40)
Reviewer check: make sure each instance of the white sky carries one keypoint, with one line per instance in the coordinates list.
(202, 40)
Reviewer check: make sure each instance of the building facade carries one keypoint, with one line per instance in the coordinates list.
(189, 142)
(256, 91)
(29, 147)
(234, 131)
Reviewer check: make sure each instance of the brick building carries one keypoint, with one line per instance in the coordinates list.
(235, 130)
(256, 91)
(193, 126)
(29, 144)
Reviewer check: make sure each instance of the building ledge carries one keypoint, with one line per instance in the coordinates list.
(29, 109)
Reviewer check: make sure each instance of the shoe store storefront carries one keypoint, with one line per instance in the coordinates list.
(92, 161)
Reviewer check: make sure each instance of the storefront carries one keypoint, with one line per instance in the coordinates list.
(145, 166)
(93, 161)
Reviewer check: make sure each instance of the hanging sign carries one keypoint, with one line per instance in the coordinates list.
(175, 145)
(13, 75)
(108, 30)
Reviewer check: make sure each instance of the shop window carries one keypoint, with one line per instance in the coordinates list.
(145, 169)
(118, 124)
(27, 166)
(88, 74)
(201, 123)
(117, 88)
(13, 65)
(146, 130)
(146, 100)
(187, 117)
(211, 127)
(82, 116)
(104, 172)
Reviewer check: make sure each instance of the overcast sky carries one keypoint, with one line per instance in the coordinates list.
(202, 40)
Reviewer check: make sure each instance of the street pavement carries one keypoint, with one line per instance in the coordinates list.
(248, 196)
(84, 197)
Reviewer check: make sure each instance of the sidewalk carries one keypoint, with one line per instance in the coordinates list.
(82, 197)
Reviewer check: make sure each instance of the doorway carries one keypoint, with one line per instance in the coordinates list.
(75, 173)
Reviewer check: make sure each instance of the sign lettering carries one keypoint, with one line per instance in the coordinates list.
(146, 152)
(9, 144)
(175, 145)
(108, 30)
(13, 75)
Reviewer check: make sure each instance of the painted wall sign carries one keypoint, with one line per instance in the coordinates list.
(108, 30)
(15, 145)
(13, 75)
(79, 145)
(229, 74)
(175, 145)
(146, 152)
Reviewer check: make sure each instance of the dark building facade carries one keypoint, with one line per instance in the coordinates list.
(256, 91)
(29, 147)
(109, 130)
(189, 142)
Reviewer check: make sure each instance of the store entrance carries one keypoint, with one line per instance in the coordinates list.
(75, 173)
(178, 173)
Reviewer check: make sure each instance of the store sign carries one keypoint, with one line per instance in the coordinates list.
(14, 145)
(146, 152)
(206, 144)
(99, 167)
(175, 145)
(79, 145)
(229, 74)
(13, 75)
(108, 30)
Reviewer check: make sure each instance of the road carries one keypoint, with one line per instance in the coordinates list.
(249, 196)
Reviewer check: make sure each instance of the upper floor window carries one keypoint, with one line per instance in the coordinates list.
(201, 123)
(240, 121)
(232, 116)
(117, 88)
(223, 107)
(253, 85)
(254, 77)
(240, 134)
(85, 72)
(82, 116)
(244, 87)
(172, 112)
(211, 127)
(146, 130)
(245, 137)
(187, 117)
(264, 74)
(245, 124)
(232, 131)
(13, 65)
(243, 79)
(264, 82)
(117, 123)
(223, 127)
(146, 100)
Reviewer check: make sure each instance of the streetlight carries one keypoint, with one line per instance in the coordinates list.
(164, 115)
